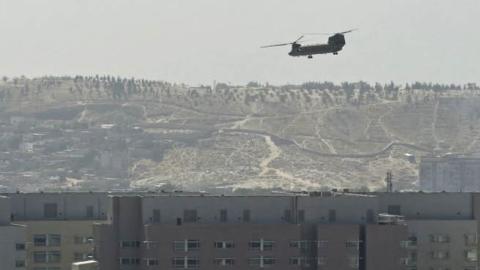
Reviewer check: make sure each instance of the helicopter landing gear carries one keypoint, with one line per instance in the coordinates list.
(335, 53)
(310, 57)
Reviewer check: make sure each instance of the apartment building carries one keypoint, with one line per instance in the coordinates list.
(451, 173)
(246, 232)
(12, 240)
(58, 226)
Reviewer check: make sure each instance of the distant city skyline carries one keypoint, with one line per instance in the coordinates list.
(197, 42)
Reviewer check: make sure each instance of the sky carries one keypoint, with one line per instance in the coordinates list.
(199, 41)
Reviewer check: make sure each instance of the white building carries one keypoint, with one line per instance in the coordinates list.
(12, 240)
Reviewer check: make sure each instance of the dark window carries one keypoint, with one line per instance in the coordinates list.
(20, 246)
(246, 215)
(156, 215)
(40, 240)
(332, 215)
(223, 215)
(287, 215)
(301, 216)
(50, 210)
(179, 221)
(190, 216)
(370, 216)
(89, 211)
(394, 210)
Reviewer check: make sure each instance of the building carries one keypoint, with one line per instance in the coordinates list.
(326, 231)
(12, 240)
(58, 226)
(451, 173)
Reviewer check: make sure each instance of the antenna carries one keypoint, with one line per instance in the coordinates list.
(389, 182)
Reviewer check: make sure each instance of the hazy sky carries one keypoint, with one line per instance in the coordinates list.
(198, 41)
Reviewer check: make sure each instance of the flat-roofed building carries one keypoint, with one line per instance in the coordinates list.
(12, 240)
(58, 226)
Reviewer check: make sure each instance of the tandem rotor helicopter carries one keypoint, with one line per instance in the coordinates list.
(335, 43)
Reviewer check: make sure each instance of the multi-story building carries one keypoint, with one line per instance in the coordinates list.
(451, 173)
(12, 240)
(58, 226)
(240, 232)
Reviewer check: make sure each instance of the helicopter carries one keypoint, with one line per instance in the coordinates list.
(335, 43)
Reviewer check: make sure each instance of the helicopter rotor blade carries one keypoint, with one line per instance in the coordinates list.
(348, 31)
(298, 39)
(277, 45)
(341, 33)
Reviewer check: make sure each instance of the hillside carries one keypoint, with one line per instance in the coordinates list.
(111, 133)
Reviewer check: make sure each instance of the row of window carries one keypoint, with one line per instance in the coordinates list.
(261, 261)
(259, 245)
(191, 216)
(50, 210)
(469, 255)
(52, 256)
(470, 240)
(55, 240)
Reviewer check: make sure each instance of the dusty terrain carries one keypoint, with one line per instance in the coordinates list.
(231, 137)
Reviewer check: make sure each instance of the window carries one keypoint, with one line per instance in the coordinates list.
(89, 212)
(223, 215)
(151, 244)
(190, 216)
(301, 261)
(152, 262)
(44, 240)
(19, 263)
(40, 240)
(186, 245)
(50, 210)
(46, 257)
(186, 262)
(321, 260)
(471, 255)
(394, 210)
(261, 245)
(303, 245)
(224, 261)
(246, 215)
(261, 261)
(322, 243)
(354, 262)
(130, 244)
(224, 244)
(19, 246)
(332, 215)
(156, 216)
(439, 238)
(301, 216)
(352, 244)
(440, 255)
(470, 239)
(129, 261)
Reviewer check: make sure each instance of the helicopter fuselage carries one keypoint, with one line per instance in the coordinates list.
(314, 49)
(334, 45)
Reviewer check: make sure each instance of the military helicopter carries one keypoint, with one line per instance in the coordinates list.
(336, 41)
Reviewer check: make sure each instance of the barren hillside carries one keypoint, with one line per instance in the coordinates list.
(126, 133)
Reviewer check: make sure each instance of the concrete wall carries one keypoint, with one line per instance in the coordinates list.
(383, 249)
(348, 208)
(429, 205)
(71, 206)
(455, 230)
(263, 209)
(4, 210)
(10, 235)
(334, 254)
